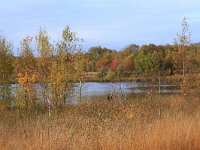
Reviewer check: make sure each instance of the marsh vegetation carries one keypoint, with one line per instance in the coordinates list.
(142, 122)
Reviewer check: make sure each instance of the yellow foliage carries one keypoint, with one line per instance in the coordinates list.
(26, 78)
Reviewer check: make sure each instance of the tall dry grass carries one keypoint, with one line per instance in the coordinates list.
(153, 122)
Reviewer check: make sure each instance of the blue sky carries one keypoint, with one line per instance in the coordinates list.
(109, 23)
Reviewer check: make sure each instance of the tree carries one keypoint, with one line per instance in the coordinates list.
(44, 60)
(94, 55)
(128, 63)
(104, 62)
(181, 44)
(130, 49)
(6, 70)
(26, 72)
(114, 64)
(80, 74)
(145, 62)
(44, 64)
(181, 59)
(64, 69)
(168, 62)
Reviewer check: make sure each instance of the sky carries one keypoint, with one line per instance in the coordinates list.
(108, 23)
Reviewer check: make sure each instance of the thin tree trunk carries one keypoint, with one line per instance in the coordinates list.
(159, 84)
(27, 100)
(80, 91)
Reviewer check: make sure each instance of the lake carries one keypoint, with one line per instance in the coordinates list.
(103, 88)
(91, 89)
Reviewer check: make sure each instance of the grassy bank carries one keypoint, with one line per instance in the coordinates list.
(141, 122)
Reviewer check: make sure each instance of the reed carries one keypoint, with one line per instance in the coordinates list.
(153, 122)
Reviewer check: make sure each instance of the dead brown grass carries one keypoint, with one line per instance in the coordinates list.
(155, 123)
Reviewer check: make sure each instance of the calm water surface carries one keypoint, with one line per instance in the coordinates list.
(89, 89)
(98, 88)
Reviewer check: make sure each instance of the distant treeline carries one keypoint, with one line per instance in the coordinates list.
(147, 59)
(132, 60)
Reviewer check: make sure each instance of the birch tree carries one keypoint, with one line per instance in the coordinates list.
(6, 70)
(26, 75)
(181, 60)
(64, 69)
(44, 63)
